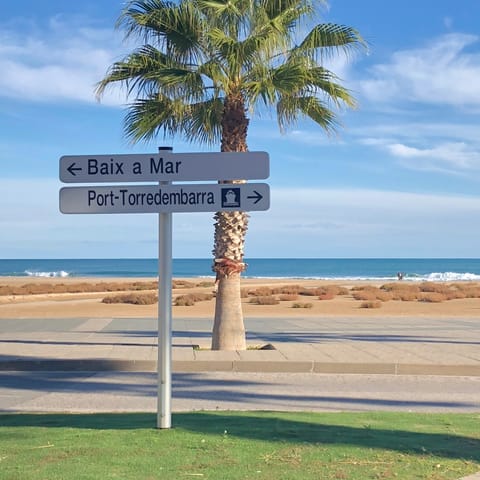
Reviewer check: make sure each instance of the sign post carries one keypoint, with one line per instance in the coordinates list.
(164, 350)
(164, 198)
(164, 364)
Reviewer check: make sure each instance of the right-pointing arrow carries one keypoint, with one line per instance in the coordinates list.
(257, 197)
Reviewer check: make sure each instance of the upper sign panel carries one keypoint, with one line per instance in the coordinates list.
(164, 166)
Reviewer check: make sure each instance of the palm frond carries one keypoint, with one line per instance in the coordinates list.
(146, 118)
(326, 82)
(203, 122)
(290, 108)
(136, 70)
(147, 70)
(328, 39)
(196, 122)
(176, 27)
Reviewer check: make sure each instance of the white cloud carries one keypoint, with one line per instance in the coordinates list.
(62, 62)
(316, 137)
(430, 146)
(452, 157)
(444, 72)
(460, 131)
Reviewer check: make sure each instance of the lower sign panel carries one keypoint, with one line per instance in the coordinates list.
(165, 198)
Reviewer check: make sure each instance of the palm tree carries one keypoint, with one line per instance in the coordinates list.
(204, 67)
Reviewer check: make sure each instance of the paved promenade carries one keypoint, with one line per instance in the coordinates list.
(393, 346)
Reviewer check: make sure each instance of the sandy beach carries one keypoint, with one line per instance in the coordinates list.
(55, 303)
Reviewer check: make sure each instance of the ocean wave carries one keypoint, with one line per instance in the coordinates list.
(60, 273)
(429, 277)
(452, 277)
(326, 278)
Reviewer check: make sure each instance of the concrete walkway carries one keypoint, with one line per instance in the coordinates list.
(393, 346)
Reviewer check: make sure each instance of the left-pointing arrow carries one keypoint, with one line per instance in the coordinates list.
(257, 197)
(72, 169)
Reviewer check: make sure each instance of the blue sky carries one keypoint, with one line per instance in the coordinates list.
(400, 178)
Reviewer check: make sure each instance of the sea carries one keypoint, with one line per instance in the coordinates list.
(382, 269)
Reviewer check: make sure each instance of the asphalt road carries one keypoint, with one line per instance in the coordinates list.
(133, 391)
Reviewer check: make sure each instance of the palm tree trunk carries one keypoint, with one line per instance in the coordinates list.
(230, 230)
(228, 328)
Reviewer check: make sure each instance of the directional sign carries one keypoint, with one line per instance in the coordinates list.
(164, 166)
(165, 198)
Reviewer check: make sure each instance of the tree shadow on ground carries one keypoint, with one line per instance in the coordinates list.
(294, 428)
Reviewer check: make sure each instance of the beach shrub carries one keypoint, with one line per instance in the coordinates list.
(432, 297)
(365, 288)
(384, 296)
(35, 288)
(76, 287)
(179, 283)
(326, 296)
(302, 305)
(307, 292)
(86, 287)
(80, 288)
(265, 300)
(405, 292)
(111, 286)
(206, 284)
(262, 292)
(371, 304)
(60, 288)
(451, 291)
(190, 299)
(6, 290)
(184, 301)
(434, 287)
(471, 292)
(331, 290)
(27, 289)
(455, 294)
(371, 293)
(286, 290)
(405, 296)
(341, 290)
(366, 295)
(288, 297)
(400, 287)
(201, 296)
(133, 298)
(470, 289)
(144, 286)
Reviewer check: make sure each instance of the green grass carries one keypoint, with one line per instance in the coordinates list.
(240, 445)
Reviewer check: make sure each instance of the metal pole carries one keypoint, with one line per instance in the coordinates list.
(164, 396)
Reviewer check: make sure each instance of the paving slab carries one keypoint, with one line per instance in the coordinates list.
(402, 346)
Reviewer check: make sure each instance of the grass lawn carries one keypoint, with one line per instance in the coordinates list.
(240, 445)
